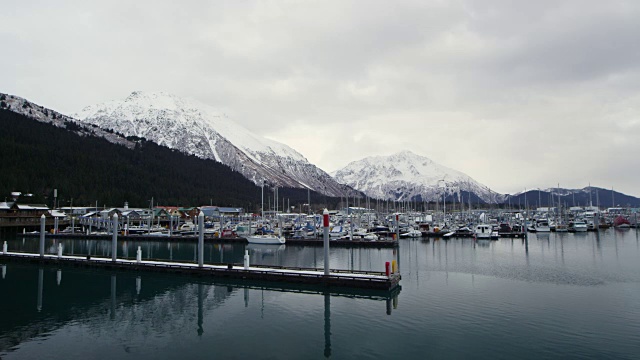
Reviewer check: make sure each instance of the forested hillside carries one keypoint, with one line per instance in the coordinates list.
(37, 158)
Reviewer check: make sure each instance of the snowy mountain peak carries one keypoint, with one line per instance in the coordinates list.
(406, 175)
(195, 128)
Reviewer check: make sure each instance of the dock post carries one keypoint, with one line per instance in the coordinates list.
(246, 259)
(4, 248)
(114, 238)
(42, 221)
(139, 255)
(325, 223)
(40, 281)
(201, 239)
(59, 250)
(327, 325)
(55, 225)
(112, 313)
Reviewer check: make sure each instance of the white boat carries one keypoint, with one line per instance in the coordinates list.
(483, 231)
(413, 233)
(580, 226)
(542, 225)
(337, 232)
(266, 239)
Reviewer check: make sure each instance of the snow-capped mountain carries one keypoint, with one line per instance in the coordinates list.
(405, 175)
(199, 129)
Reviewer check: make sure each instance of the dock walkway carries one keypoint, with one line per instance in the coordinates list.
(239, 240)
(336, 278)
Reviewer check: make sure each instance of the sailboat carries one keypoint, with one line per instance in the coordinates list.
(265, 238)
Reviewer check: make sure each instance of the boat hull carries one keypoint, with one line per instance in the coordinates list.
(266, 239)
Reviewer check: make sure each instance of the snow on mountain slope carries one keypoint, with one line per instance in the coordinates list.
(22, 106)
(406, 175)
(195, 128)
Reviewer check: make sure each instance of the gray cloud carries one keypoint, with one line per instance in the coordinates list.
(545, 89)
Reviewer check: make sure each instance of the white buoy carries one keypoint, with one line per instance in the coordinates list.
(246, 259)
(59, 251)
(4, 248)
(58, 276)
(139, 255)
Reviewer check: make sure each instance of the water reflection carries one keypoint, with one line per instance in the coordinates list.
(162, 308)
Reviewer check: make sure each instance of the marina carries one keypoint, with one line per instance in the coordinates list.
(553, 295)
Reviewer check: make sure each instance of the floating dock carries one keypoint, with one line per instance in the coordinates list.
(236, 240)
(336, 278)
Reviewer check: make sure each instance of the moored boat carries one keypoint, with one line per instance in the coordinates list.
(621, 222)
(266, 239)
(483, 231)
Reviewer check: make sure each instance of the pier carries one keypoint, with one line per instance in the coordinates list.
(336, 278)
(236, 240)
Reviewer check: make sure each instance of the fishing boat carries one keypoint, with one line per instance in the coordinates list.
(483, 231)
(542, 225)
(266, 239)
(621, 222)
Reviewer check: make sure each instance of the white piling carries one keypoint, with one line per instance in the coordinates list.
(42, 222)
(201, 239)
(325, 223)
(139, 255)
(4, 248)
(58, 276)
(114, 239)
(59, 251)
(24, 231)
(246, 259)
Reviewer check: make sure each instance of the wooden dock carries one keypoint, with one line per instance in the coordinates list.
(237, 240)
(316, 277)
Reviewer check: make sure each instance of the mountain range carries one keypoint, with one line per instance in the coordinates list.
(201, 130)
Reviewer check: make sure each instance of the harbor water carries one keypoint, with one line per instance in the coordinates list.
(558, 295)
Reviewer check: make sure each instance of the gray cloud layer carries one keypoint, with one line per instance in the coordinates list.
(516, 94)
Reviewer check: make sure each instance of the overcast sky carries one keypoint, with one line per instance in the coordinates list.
(516, 94)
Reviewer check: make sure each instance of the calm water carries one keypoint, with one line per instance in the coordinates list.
(567, 296)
